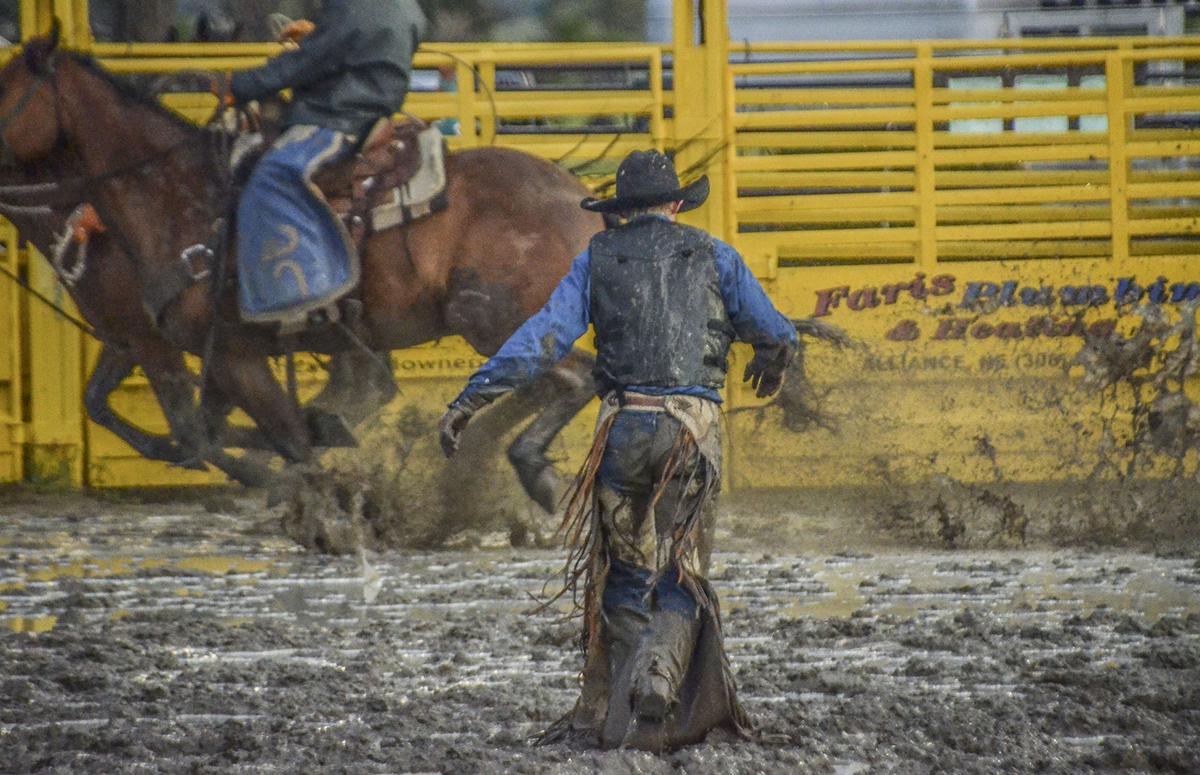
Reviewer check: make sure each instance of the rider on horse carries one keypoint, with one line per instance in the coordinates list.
(295, 256)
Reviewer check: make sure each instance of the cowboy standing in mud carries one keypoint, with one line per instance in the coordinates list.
(666, 301)
(351, 69)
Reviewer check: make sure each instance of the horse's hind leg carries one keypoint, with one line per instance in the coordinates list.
(568, 391)
(112, 367)
(359, 384)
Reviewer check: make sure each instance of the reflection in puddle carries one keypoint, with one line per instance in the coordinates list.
(32, 624)
(1016, 584)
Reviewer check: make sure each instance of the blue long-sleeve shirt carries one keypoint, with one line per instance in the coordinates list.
(548, 336)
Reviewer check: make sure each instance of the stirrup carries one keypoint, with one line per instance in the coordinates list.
(317, 318)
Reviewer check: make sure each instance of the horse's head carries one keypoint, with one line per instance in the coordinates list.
(29, 118)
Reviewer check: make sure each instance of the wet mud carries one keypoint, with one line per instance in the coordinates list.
(197, 637)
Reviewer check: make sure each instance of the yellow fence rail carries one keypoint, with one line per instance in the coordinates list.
(943, 152)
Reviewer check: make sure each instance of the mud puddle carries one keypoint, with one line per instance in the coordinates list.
(170, 638)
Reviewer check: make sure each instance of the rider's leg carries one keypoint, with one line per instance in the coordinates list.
(670, 639)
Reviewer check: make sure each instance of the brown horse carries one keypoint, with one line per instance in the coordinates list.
(477, 269)
(101, 277)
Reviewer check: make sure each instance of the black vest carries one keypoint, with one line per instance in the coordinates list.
(657, 308)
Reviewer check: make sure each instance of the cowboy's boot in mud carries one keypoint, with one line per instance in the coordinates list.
(624, 630)
(661, 664)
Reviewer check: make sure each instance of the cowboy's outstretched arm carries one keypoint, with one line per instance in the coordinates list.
(542, 341)
(756, 321)
(321, 54)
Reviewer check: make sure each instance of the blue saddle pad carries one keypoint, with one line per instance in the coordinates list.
(294, 254)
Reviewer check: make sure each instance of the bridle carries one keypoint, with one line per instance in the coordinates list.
(40, 79)
(178, 275)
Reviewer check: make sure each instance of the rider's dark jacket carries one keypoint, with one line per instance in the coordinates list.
(352, 70)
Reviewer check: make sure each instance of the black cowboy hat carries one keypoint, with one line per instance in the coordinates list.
(647, 179)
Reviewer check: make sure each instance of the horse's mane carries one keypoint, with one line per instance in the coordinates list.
(127, 89)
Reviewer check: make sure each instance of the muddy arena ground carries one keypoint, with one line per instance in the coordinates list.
(192, 636)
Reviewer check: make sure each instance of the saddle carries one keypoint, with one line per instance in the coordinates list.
(396, 177)
(298, 270)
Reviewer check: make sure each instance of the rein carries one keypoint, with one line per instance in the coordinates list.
(67, 316)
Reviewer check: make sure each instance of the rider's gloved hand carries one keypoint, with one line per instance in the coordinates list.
(294, 33)
(765, 372)
(460, 412)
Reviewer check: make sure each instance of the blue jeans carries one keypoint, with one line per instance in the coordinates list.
(640, 444)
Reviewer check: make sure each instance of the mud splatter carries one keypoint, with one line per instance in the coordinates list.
(397, 491)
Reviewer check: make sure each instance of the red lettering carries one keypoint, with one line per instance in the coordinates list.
(917, 287)
(905, 331)
(942, 285)
(1008, 331)
(861, 299)
(891, 293)
(1036, 326)
(951, 328)
(828, 299)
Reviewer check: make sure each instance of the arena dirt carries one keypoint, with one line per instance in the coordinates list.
(196, 637)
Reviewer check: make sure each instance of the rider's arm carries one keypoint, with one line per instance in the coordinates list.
(542, 341)
(754, 317)
(320, 54)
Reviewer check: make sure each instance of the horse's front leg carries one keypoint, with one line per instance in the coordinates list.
(194, 428)
(112, 367)
(248, 382)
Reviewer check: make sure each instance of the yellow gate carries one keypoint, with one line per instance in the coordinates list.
(969, 211)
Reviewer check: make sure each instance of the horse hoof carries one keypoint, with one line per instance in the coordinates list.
(169, 452)
(192, 464)
(543, 489)
(328, 429)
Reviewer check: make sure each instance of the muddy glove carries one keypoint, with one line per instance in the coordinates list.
(460, 412)
(765, 371)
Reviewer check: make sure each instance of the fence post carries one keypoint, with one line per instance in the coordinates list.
(12, 428)
(701, 68)
(464, 76)
(56, 422)
(1118, 75)
(926, 170)
(38, 15)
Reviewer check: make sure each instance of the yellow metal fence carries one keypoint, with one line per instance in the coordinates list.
(887, 187)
